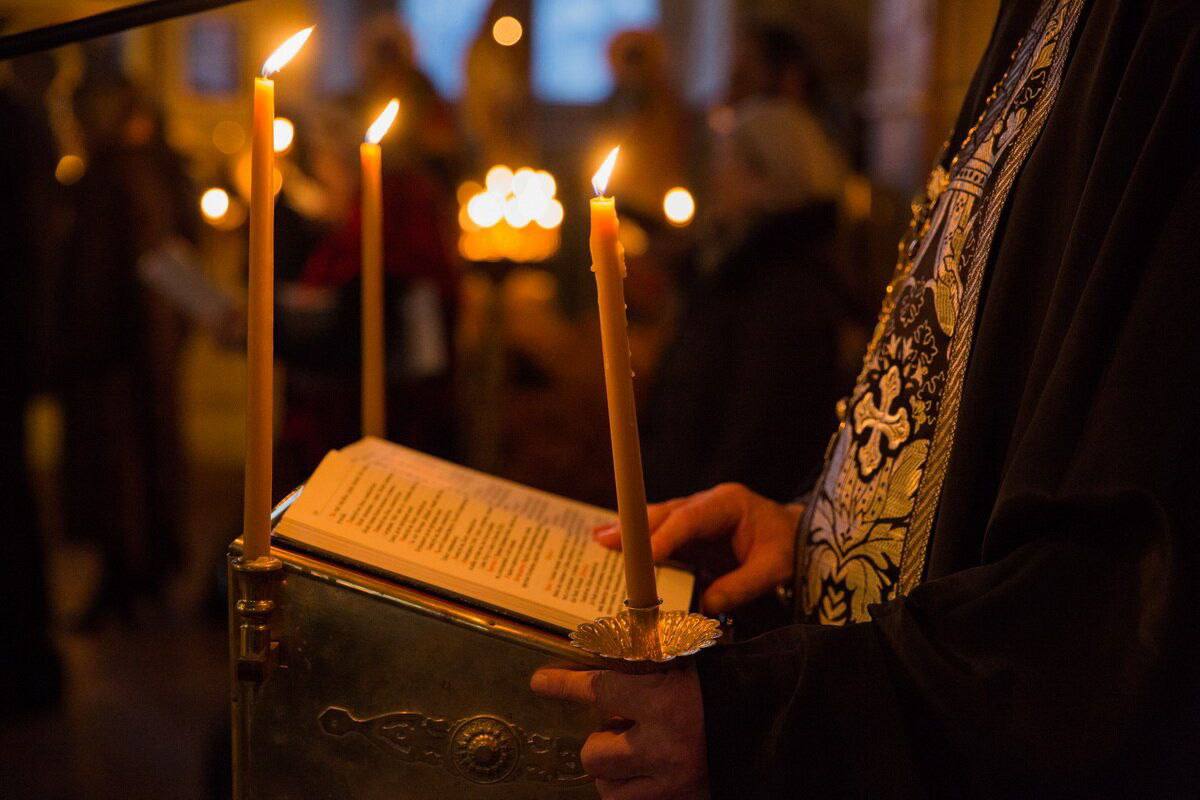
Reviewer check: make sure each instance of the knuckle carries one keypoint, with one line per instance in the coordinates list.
(597, 686)
(730, 489)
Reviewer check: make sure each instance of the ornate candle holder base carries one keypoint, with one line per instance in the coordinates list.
(642, 640)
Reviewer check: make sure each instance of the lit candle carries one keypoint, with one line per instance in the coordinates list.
(374, 417)
(260, 310)
(608, 262)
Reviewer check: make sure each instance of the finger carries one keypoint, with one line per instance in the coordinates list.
(658, 512)
(608, 691)
(705, 515)
(609, 534)
(634, 789)
(577, 686)
(610, 756)
(758, 575)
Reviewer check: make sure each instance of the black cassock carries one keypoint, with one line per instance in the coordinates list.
(996, 573)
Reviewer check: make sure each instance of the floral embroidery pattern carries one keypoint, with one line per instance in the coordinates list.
(853, 536)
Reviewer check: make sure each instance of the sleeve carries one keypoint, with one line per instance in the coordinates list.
(1017, 677)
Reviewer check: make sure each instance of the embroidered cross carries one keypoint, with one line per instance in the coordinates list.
(881, 420)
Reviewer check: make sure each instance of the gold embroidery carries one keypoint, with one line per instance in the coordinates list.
(867, 527)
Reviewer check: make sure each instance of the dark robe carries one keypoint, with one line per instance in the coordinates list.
(1049, 647)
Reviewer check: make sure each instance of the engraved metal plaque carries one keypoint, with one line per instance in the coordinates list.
(382, 691)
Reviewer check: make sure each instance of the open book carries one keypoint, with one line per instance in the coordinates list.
(506, 546)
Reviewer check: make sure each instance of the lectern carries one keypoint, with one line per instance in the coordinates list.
(352, 685)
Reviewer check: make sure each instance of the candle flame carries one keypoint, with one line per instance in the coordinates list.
(600, 179)
(285, 52)
(383, 122)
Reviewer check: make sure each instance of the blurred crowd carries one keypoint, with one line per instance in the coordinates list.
(746, 322)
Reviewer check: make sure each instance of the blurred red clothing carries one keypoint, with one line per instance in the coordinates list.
(414, 239)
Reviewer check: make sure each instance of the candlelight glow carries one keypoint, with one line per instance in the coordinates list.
(383, 122)
(284, 132)
(600, 179)
(285, 52)
(515, 214)
(507, 31)
(214, 204)
(551, 216)
(485, 209)
(70, 169)
(499, 180)
(679, 206)
(523, 179)
(497, 220)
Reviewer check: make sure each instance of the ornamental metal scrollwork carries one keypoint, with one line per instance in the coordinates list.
(483, 749)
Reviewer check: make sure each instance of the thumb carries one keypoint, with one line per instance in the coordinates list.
(757, 576)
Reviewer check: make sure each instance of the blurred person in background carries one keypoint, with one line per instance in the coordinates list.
(425, 132)
(645, 115)
(771, 61)
(27, 160)
(497, 103)
(747, 388)
(319, 299)
(119, 346)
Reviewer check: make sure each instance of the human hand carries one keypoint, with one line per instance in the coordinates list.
(762, 534)
(655, 749)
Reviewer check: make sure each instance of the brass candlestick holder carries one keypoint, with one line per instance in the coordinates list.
(644, 640)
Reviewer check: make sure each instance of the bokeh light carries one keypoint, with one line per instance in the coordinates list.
(70, 169)
(507, 31)
(214, 204)
(467, 190)
(679, 206)
(515, 214)
(551, 216)
(285, 134)
(499, 180)
(496, 221)
(228, 136)
(485, 209)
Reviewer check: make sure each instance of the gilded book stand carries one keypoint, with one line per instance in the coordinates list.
(348, 685)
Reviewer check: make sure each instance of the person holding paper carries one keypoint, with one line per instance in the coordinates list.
(994, 575)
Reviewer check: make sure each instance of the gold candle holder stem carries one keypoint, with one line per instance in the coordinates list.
(257, 585)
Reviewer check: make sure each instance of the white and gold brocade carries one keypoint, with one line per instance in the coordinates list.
(866, 530)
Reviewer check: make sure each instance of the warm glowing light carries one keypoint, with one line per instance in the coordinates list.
(496, 221)
(383, 122)
(214, 204)
(70, 169)
(485, 209)
(284, 133)
(499, 180)
(679, 206)
(634, 238)
(523, 180)
(548, 185)
(507, 31)
(228, 136)
(515, 215)
(551, 216)
(532, 203)
(600, 179)
(467, 190)
(285, 52)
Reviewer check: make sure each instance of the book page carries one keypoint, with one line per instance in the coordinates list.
(429, 470)
(435, 534)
